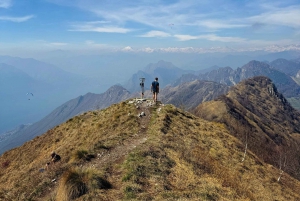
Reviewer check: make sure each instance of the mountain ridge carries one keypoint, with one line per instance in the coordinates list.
(170, 154)
(47, 91)
(180, 88)
(197, 91)
(257, 114)
(63, 113)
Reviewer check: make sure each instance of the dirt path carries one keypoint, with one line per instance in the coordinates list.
(117, 154)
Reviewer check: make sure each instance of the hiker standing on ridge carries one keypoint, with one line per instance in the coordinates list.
(155, 89)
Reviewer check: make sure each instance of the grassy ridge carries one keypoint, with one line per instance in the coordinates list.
(106, 155)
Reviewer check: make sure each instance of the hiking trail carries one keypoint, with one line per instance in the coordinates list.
(117, 154)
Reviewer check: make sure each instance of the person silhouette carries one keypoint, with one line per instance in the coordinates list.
(155, 89)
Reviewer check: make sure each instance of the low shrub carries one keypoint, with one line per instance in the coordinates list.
(76, 182)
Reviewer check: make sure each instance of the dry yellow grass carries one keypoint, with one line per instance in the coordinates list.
(167, 155)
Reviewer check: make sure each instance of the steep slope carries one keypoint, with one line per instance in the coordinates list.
(190, 94)
(64, 112)
(184, 78)
(257, 114)
(166, 155)
(225, 75)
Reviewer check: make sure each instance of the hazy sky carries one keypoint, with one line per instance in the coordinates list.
(143, 25)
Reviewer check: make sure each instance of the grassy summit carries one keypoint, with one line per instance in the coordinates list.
(113, 154)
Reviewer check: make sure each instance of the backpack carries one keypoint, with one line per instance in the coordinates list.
(56, 158)
(155, 85)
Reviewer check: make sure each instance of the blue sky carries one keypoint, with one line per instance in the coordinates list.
(156, 25)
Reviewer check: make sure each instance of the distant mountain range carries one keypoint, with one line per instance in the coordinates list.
(121, 65)
(185, 89)
(280, 71)
(53, 86)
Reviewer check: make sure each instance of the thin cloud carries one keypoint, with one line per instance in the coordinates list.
(51, 44)
(155, 34)
(191, 13)
(265, 47)
(91, 43)
(194, 49)
(16, 19)
(148, 50)
(217, 24)
(210, 37)
(58, 44)
(185, 37)
(282, 17)
(127, 49)
(185, 14)
(5, 3)
(158, 14)
(88, 44)
(240, 23)
(92, 27)
(98, 22)
(213, 37)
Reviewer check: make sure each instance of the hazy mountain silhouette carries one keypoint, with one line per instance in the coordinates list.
(290, 68)
(50, 85)
(286, 85)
